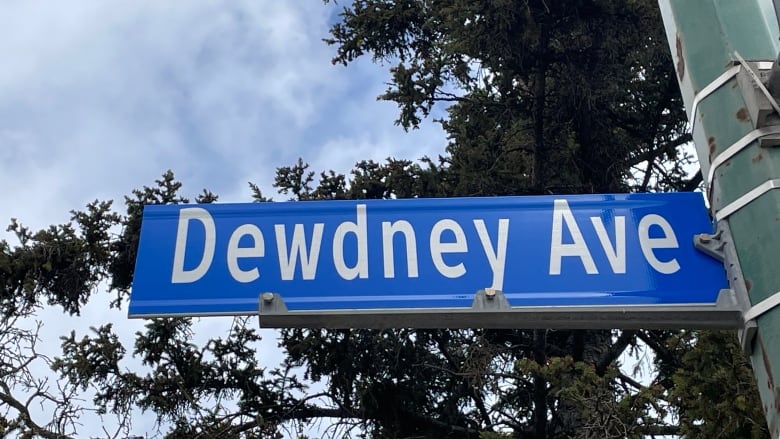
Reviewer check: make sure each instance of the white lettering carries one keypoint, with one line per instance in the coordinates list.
(234, 252)
(359, 230)
(562, 214)
(648, 244)
(496, 257)
(438, 247)
(388, 231)
(179, 275)
(298, 251)
(617, 254)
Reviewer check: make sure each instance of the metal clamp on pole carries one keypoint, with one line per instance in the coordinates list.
(762, 307)
(765, 113)
(725, 77)
(711, 88)
(758, 99)
(768, 132)
(760, 103)
(720, 246)
(746, 199)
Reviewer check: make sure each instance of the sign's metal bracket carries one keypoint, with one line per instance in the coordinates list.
(721, 247)
(490, 299)
(491, 309)
(272, 303)
(711, 245)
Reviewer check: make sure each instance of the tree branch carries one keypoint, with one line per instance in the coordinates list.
(25, 417)
(658, 347)
(474, 395)
(614, 351)
(654, 153)
(627, 379)
(693, 183)
(308, 412)
(648, 175)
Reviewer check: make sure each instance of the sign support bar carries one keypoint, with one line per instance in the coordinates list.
(492, 310)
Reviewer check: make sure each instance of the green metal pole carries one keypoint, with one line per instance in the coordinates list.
(706, 38)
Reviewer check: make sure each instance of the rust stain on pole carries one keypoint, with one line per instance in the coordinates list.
(773, 427)
(770, 378)
(712, 146)
(680, 59)
(742, 115)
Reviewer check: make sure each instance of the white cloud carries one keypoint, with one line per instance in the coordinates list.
(100, 98)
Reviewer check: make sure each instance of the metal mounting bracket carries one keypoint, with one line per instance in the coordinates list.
(271, 303)
(711, 245)
(764, 112)
(272, 307)
(720, 246)
(762, 106)
(490, 299)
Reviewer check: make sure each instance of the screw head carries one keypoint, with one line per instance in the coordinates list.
(268, 297)
(490, 293)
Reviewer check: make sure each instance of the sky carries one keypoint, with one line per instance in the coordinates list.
(99, 98)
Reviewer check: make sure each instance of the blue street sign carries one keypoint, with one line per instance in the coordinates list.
(424, 254)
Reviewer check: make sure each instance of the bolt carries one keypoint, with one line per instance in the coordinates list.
(268, 297)
(490, 293)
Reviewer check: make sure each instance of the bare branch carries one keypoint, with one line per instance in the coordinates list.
(653, 154)
(693, 183)
(614, 351)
